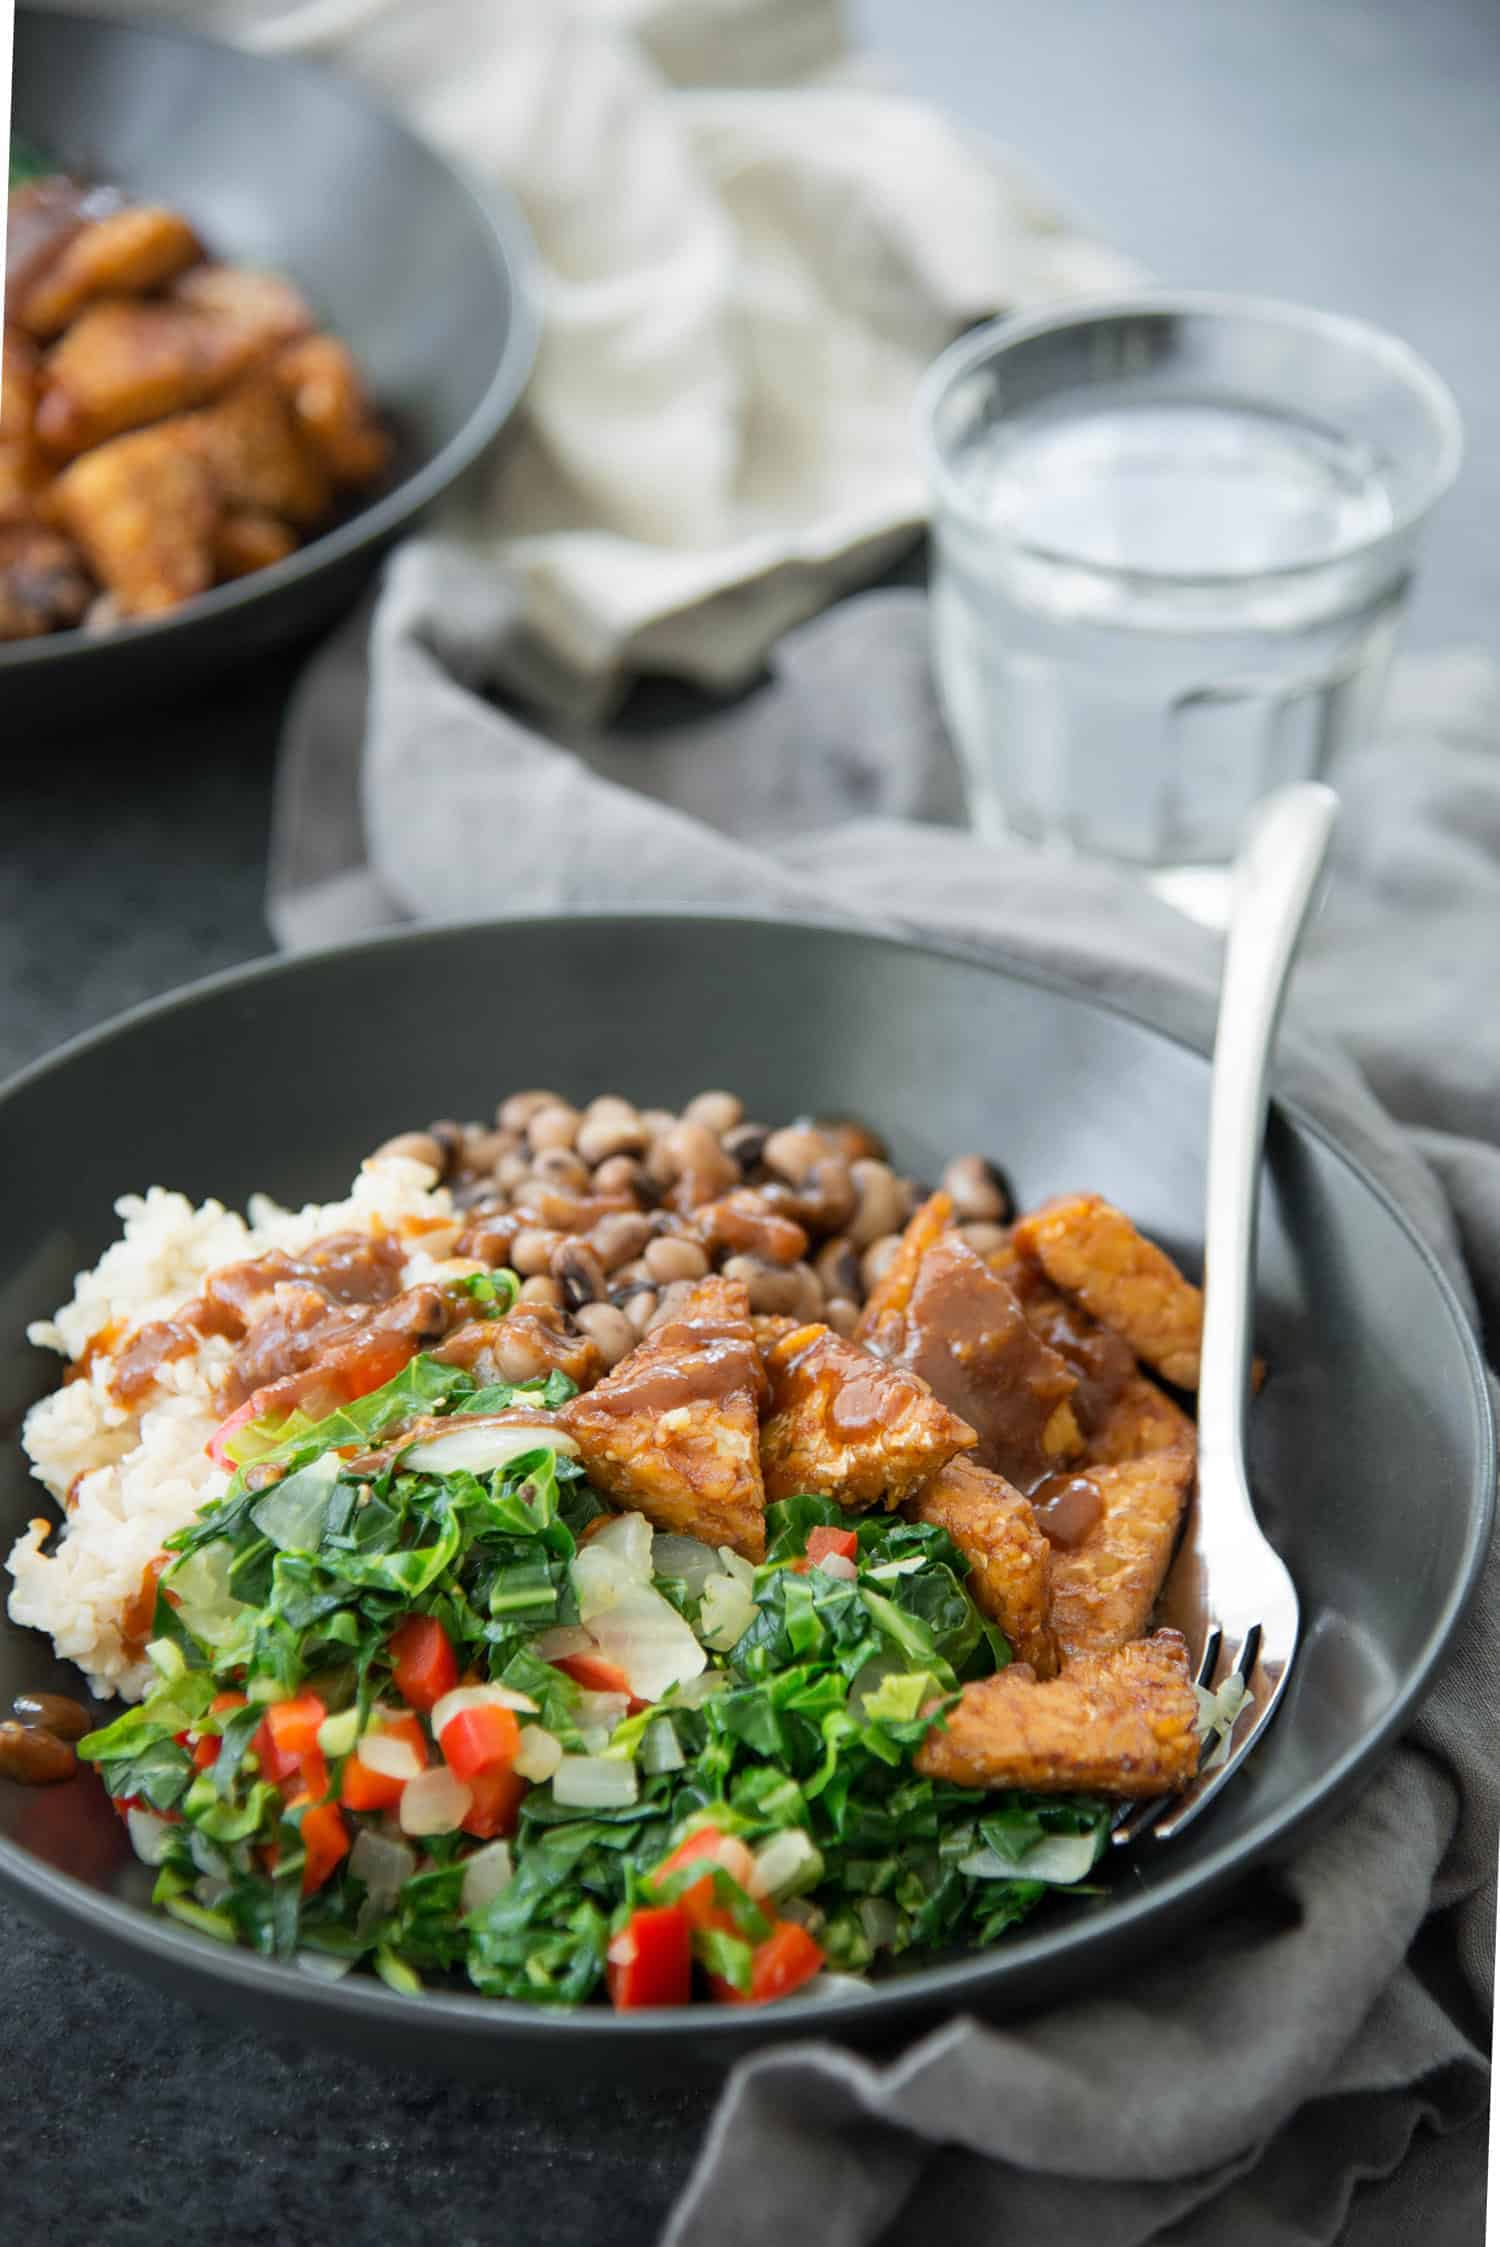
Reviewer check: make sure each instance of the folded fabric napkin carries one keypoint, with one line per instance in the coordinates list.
(747, 254)
(1241, 2087)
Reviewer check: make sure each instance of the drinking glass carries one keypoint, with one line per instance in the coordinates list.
(1173, 539)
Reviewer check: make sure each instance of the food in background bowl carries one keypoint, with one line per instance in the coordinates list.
(167, 422)
(616, 1549)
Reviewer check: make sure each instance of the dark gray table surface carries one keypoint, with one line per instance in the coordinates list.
(1343, 152)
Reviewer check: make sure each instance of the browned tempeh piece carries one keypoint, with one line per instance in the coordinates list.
(674, 1429)
(1102, 1362)
(1010, 1561)
(964, 1332)
(889, 1297)
(270, 310)
(321, 383)
(122, 365)
(120, 255)
(1142, 1419)
(257, 456)
(43, 583)
(849, 1426)
(1123, 1723)
(144, 510)
(1092, 1251)
(1105, 1587)
(246, 541)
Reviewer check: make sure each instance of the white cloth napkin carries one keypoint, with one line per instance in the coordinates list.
(749, 251)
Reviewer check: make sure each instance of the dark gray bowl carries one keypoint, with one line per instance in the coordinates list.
(1373, 1449)
(280, 163)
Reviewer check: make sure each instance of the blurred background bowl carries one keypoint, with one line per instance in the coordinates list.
(277, 163)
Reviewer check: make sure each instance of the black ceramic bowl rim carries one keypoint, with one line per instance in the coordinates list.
(360, 1998)
(515, 261)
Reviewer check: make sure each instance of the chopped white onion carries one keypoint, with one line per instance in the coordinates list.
(383, 1865)
(337, 1734)
(479, 1446)
(735, 1565)
(1058, 1859)
(838, 1564)
(789, 1862)
(595, 1782)
(880, 1920)
(608, 1709)
(686, 1558)
(435, 1802)
(628, 1539)
(611, 1563)
(148, 1835)
(643, 1634)
(539, 1754)
(392, 1757)
(726, 1614)
(562, 1639)
(211, 1890)
(323, 1966)
(804, 1911)
(206, 1857)
(485, 1874)
(477, 1697)
(661, 1750)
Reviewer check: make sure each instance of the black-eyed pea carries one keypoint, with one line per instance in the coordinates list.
(837, 1266)
(717, 1111)
(608, 1328)
(639, 1306)
(979, 1190)
(579, 1273)
(414, 1147)
(771, 1287)
(532, 1250)
(876, 1261)
(610, 1127)
(841, 1314)
(516, 1113)
(883, 1205)
(793, 1151)
(556, 1126)
(671, 1257)
(619, 1238)
(984, 1239)
(542, 1288)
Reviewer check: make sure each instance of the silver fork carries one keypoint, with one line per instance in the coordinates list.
(1228, 1590)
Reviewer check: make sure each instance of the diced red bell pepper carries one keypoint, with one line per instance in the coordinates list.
(650, 1962)
(699, 1902)
(363, 1789)
(596, 1675)
(782, 1963)
(370, 1363)
(822, 1542)
(422, 1661)
(217, 1445)
(486, 1738)
(496, 1807)
(206, 1750)
(287, 1732)
(325, 1837)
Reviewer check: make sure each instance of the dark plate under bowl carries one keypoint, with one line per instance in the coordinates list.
(1373, 1450)
(280, 163)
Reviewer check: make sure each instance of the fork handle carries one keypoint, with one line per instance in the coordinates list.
(1275, 881)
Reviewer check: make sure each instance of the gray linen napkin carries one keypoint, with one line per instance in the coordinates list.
(1333, 2023)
